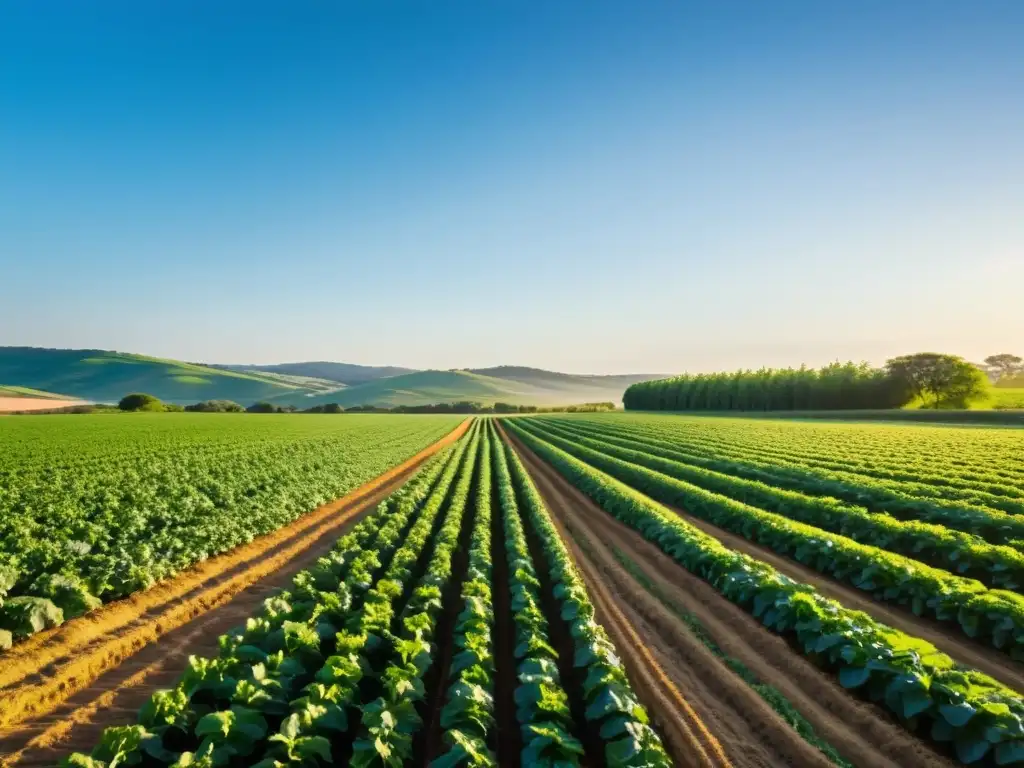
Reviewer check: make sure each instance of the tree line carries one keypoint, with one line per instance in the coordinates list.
(928, 379)
(140, 401)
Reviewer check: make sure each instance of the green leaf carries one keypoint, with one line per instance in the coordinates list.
(853, 677)
(957, 715)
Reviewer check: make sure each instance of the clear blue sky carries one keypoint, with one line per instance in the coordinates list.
(579, 185)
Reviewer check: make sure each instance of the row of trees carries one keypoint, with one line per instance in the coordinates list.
(933, 380)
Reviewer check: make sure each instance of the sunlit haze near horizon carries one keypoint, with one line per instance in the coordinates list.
(581, 186)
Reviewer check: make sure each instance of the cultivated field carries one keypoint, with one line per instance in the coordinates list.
(595, 590)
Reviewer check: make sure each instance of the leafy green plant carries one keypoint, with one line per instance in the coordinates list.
(994, 615)
(98, 509)
(275, 667)
(611, 706)
(907, 675)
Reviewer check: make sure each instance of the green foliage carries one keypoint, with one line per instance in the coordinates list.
(1004, 366)
(264, 407)
(98, 508)
(611, 705)
(915, 681)
(1007, 398)
(940, 381)
(140, 401)
(104, 376)
(759, 484)
(391, 719)
(215, 406)
(274, 669)
(994, 616)
(24, 616)
(842, 386)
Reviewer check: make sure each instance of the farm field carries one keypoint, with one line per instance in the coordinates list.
(560, 590)
(95, 509)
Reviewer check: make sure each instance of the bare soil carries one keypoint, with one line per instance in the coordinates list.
(750, 732)
(62, 687)
(13, 404)
(948, 639)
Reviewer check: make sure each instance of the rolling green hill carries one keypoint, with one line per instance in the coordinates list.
(425, 387)
(103, 376)
(6, 391)
(583, 388)
(345, 373)
(536, 387)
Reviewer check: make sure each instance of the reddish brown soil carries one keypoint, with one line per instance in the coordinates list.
(62, 687)
(750, 732)
(14, 404)
(961, 648)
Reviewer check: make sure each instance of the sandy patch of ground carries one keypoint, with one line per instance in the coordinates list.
(9, 404)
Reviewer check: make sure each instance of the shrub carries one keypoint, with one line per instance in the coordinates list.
(140, 401)
(216, 406)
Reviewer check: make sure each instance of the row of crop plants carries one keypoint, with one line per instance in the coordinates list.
(136, 503)
(344, 668)
(919, 685)
(995, 525)
(921, 466)
(993, 616)
(985, 455)
(994, 565)
(904, 459)
(283, 689)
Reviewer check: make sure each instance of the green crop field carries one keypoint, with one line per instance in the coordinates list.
(94, 509)
(629, 590)
(924, 518)
(395, 646)
(1008, 397)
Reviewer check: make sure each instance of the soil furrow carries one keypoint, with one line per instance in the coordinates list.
(751, 731)
(63, 688)
(686, 735)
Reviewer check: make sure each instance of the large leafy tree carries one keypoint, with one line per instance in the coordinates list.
(939, 381)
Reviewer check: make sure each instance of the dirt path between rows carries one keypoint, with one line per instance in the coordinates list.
(751, 732)
(61, 688)
(687, 737)
(961, 648)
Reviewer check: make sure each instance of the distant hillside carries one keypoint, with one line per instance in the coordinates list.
(585, 388)
(345, 373)
(425, 387)
(28, 392)
(522, 386)
(105, 376)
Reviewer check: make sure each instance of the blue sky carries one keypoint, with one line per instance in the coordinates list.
(585, 186)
